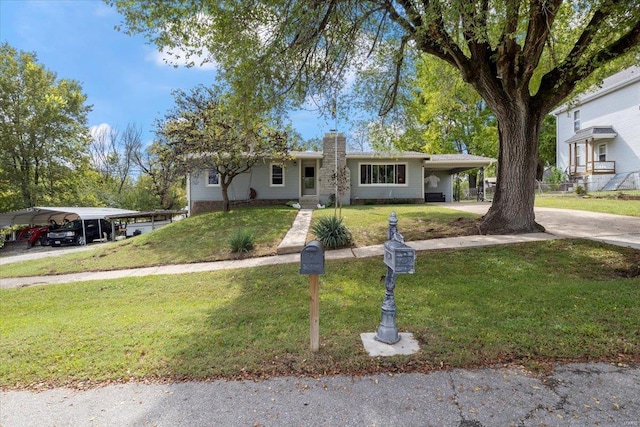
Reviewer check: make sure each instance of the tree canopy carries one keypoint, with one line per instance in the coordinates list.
(209, 129)
(522, 57)
(43, 133)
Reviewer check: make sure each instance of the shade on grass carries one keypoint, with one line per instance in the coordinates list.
(525, 303)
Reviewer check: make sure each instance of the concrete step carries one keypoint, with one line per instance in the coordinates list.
(308, 202)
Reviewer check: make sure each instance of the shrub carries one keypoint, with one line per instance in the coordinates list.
(331, 232)
(242, 240)
(580, 191)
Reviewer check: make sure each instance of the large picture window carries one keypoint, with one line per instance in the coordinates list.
(277, 175)
(388, 174)
(213, 178)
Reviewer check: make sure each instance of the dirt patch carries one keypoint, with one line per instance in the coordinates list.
(619, 196)
(631, 269)
(437, 230)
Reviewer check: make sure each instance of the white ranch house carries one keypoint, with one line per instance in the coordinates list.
(402, 177)
(598, 135)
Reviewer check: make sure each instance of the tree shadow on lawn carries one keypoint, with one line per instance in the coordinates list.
(467, 308)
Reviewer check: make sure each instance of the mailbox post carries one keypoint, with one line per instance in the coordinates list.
(312, 264)
(400, 259)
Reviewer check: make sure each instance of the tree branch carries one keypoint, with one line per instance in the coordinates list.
(560, 82)
(541, 18)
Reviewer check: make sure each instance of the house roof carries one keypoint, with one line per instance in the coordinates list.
(456, 163)
(43, 215)
(452, 163)
(610, 84)
(386, 155)
(593, 132)
(306, 154)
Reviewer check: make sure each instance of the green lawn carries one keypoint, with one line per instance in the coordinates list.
(369, 224)
(204, 237)
(602, 203)
(528, 304)
(196, 239)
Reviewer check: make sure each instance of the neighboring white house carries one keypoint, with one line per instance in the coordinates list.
(308, 178)
(598, 134)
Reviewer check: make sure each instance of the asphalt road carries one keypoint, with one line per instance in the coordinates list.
(572, 395)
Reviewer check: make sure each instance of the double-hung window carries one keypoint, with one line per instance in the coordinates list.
(383, 173)
(602, 152)
(576, 120)
(277, 175)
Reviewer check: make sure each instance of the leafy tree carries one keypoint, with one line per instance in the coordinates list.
(143, 196)
(212, 130)
(450, 115)
(43, 134)
(522, 57)
(162, 175)
(547, 151)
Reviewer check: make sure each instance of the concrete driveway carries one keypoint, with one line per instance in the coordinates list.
(614, 229)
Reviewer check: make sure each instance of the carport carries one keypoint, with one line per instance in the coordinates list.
(45, 215)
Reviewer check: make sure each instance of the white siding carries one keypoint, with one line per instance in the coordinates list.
(620, 109)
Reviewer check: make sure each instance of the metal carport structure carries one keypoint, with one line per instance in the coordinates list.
(45, 215)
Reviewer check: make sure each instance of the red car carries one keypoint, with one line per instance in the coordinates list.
(34, 234)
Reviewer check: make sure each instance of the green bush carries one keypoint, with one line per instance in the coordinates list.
(580, 191)
(242, 240)
(331, 232)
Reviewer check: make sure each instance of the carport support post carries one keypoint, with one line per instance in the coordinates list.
(314, 311)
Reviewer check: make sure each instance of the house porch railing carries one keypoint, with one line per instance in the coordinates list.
(593, 168)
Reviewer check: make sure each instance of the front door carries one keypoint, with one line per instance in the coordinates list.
(309, 178)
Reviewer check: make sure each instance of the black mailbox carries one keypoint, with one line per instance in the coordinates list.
(312, 258)
(399, 257)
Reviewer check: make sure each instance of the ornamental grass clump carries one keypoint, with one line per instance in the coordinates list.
(242, 241)
(331, 232)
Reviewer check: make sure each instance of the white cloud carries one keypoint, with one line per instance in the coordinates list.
(180, 58)
(101, 129)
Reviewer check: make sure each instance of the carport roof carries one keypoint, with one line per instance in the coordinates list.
(43, 215)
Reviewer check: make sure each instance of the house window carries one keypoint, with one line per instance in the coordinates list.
(388, 174)
(576, 120)
(602, 152)
(277, 175)
(213, 178)
(579, 159)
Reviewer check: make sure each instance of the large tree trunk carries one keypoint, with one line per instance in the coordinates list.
(512, 208)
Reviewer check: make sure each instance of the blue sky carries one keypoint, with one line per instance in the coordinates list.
(124, 78)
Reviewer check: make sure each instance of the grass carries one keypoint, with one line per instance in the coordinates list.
(200, 238)
(603, 203)
(205, 237)
(528, 303)
(368, 224)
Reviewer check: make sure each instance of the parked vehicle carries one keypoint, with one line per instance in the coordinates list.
(71, 233)
(32, 235)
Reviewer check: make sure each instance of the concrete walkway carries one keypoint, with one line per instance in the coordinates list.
(586, 394)
(296, 237)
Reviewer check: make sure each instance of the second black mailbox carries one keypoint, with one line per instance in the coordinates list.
(399, 257)
(312, 258)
